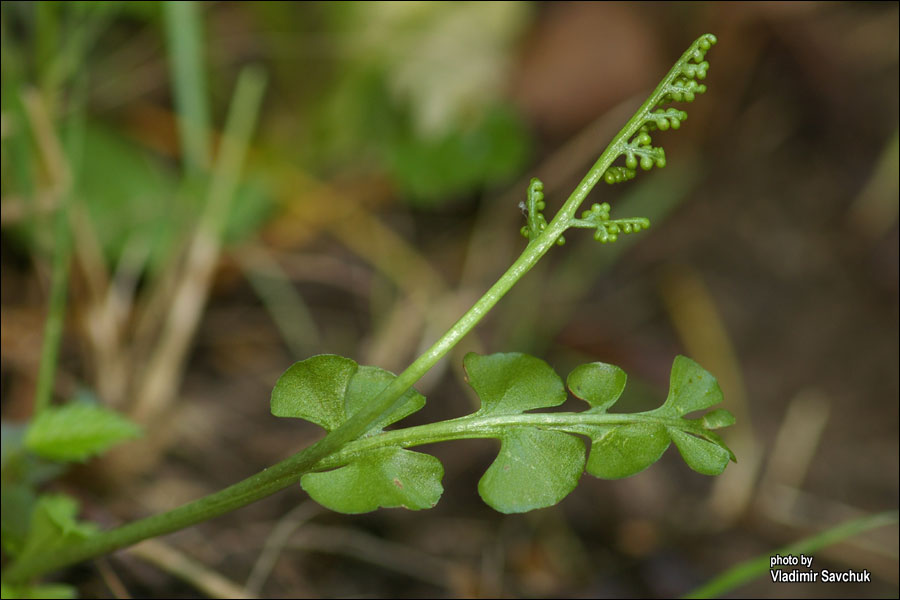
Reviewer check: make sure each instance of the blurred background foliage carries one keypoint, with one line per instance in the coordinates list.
(378, 198)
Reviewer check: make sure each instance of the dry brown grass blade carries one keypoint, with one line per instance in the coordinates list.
(185, 568)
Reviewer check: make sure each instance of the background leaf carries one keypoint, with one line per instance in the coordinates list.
(36, 592)
(77, 431)
(18, 503)
(511, 383)
(422, 95)
(138, 203)
(53, 524)
(430, 169)
(19, 465)
(534, 469)
(384, 478)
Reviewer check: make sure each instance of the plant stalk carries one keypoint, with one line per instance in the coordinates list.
(480, 427)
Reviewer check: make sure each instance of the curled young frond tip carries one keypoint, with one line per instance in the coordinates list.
(682, 84)
(533, 208)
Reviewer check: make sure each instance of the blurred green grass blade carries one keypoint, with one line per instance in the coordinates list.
(281, 299)
(79, 26)
(53, 326)
(193, 285)
(236, 137)
(17, 145)
(46, 39)
(66, 176)
(185, 38)
(756, 567)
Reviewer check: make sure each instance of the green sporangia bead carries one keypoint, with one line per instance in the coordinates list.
(618, 174)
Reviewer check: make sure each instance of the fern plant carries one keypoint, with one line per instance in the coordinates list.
(360, 465)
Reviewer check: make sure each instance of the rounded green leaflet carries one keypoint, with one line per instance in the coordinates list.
(313, 389)
(327, 389)
(599, 384)
(717, 419)
(384, 478)
(623, 450)
(702, 456)
(691, 388)
(511, 383)
(535, 469)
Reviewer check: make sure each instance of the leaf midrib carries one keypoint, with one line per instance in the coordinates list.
(475, 426)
